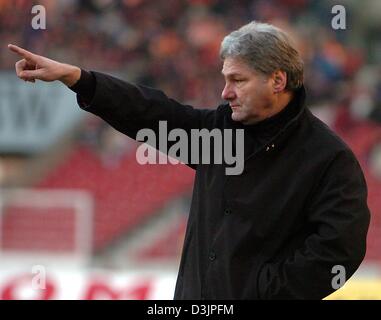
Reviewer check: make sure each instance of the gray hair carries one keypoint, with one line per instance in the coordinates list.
(266, 49)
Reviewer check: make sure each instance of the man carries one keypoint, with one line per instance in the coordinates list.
(298, 211)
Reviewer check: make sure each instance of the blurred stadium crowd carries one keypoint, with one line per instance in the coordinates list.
(174, 45)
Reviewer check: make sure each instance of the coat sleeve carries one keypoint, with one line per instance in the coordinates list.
(129, 108)
(338, 218)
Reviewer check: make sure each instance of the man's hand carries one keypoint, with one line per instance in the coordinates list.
(33, 67)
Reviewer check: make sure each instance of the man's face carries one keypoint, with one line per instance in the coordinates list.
(249, 93)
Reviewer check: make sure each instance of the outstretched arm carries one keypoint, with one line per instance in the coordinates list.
(125, 106)
(33, 67)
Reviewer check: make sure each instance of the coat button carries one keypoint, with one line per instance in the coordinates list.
(212, 256)
(227, 211)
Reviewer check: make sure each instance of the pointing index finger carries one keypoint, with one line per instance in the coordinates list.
(22, 52)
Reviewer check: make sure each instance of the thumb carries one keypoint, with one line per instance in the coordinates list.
(31, 74)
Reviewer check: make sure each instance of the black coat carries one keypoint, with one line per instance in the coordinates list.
(276, 231)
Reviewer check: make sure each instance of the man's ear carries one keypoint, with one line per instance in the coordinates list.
(279, 79)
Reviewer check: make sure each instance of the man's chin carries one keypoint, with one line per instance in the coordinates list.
(244, 120)
(236, 116)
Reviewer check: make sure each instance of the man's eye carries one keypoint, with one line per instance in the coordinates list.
(238, 80)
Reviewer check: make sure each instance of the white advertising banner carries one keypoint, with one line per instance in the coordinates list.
(77, 284)
(40, 283)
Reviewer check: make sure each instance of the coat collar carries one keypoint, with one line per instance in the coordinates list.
(298, 102)
(279, 121)
(278, 139)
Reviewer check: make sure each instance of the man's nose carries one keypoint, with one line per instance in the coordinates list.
(228, 93)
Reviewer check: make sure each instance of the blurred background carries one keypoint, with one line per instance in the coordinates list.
(79, 218)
